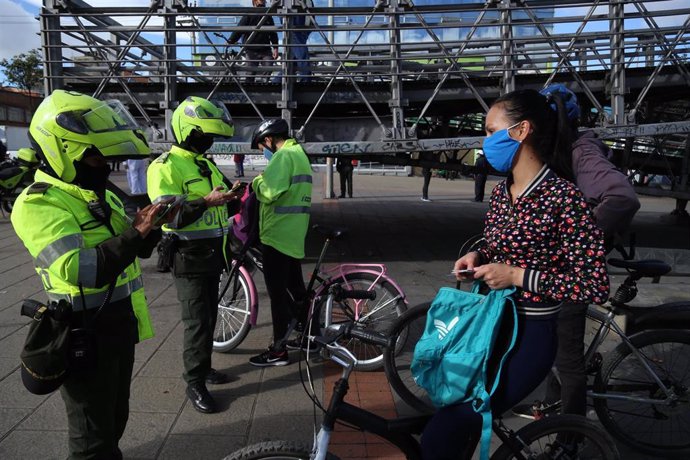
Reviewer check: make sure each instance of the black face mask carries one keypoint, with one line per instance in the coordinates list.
(92, 178)
(200, 143)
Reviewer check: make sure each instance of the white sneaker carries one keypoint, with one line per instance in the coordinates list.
(426, 200)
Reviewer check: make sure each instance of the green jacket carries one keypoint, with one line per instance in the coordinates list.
(201, 231)
(73, 250)
(284, 191)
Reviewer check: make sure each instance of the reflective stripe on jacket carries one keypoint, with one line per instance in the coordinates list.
(61, 235)
(284, 190)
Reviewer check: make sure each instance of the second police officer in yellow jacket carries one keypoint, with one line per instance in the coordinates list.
(85, 251)
(199, 231)
(284, 191)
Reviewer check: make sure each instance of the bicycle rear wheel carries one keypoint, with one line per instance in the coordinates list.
(373, 315)
(275, 450)
(232, 320)
(407, 331)
(560, 437)
(659, 429)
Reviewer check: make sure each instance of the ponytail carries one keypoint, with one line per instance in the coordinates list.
(562, 151)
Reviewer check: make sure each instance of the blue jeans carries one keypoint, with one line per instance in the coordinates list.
(299, 52)
(456, 429)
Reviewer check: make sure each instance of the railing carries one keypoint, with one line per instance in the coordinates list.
(393, 63)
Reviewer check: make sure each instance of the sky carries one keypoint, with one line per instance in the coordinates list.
(19, 28)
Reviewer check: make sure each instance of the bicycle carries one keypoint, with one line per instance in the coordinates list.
(239, 302)
(640, 388)
(562, 437)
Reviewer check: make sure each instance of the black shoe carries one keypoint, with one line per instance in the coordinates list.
(302, 343)
(341, 196)
(200, 398)
(217, 378)
(270, 357)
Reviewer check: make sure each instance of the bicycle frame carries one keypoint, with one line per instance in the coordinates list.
(607, 323)
(397, 431)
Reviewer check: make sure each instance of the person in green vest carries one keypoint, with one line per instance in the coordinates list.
(85, 251)
(199, 231)
(284, 193)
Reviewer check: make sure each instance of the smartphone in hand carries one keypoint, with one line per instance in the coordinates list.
(170, 205)
(466, 271)
(239, 186)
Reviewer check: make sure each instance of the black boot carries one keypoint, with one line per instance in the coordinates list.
(217, 378)
(200, 398)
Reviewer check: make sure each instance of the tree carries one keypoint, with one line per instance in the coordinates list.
(24, 71)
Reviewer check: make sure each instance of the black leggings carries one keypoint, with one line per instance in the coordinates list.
(285, 286)
(456, 429)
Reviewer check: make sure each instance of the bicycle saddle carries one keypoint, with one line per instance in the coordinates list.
(329, 232)
(648, 267)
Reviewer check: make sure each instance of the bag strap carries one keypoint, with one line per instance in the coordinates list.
(485, 443)
(484, 406)
(513, 339)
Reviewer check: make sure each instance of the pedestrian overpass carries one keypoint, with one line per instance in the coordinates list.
(395, 81)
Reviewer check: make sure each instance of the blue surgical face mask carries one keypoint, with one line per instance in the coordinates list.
(267, 154)
(500, 149)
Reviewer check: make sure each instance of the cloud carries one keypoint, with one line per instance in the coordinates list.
(18, 30)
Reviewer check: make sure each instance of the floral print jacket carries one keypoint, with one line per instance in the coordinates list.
(549, 231)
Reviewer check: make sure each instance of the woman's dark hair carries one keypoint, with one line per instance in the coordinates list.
(552, 136)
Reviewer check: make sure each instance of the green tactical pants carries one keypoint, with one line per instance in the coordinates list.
(97, 402)
(198, 298)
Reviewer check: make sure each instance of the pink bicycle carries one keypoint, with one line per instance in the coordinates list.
(239, 301)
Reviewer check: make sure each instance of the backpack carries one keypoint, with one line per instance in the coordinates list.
(451, 358)
(245, 225)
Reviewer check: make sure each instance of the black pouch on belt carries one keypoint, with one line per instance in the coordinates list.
(166, 252)
(83, 351)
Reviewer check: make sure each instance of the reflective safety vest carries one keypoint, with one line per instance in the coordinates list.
(54, 223)
(284, 190)
(179, 172)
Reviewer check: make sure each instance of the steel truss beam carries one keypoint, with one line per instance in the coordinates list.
(413, 74)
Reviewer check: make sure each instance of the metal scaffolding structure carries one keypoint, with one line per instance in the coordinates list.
(394, 77)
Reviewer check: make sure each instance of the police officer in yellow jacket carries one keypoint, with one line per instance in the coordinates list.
(85, 251)
(199, 231)
(284, 191)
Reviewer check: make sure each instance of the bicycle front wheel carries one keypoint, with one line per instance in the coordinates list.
(275, 450)
(373, 315)
(560, 437)
(662, 428)
(406, 332)
(232, 320)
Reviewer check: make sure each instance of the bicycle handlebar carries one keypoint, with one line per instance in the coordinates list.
(348, 330)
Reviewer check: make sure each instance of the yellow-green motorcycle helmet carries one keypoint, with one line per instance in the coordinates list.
(206, 116)
(27, 156)
(67, 124)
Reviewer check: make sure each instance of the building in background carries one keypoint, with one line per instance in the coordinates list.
(16, 108)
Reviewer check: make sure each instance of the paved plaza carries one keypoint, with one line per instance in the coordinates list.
(388, 223)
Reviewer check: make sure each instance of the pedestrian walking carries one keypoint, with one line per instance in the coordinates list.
(345, 169)
(239, 164)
